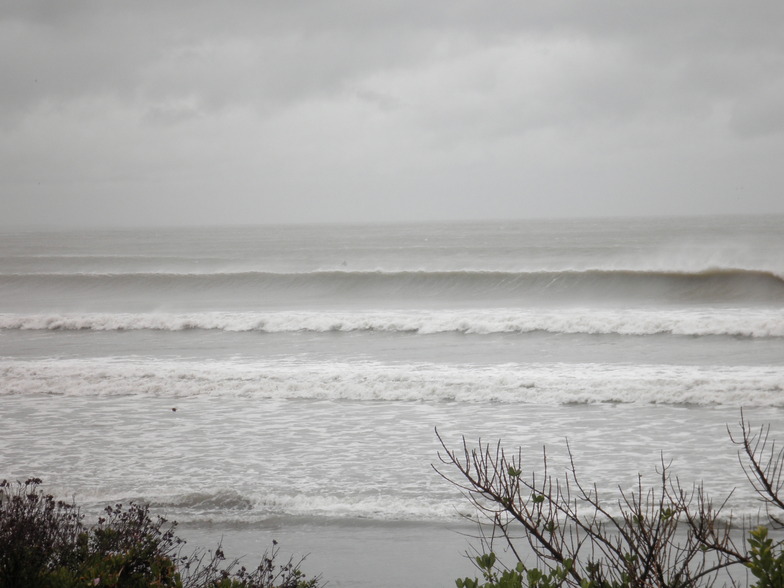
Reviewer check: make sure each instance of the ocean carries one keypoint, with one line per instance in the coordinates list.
(310, 367)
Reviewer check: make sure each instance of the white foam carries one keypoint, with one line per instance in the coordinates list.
(540, 383)
(442, 504)
(744, 322)
(211, 507)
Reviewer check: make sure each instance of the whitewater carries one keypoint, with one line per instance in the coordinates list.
(701, 321)
(250, 380)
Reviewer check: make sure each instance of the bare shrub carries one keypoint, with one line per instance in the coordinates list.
(654, 536)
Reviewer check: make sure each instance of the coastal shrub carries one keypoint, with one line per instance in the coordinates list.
(45, 543)
(516, 577)
(766, 561)
(659, 536)
(38, 534)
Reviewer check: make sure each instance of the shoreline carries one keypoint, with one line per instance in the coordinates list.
(351, 552)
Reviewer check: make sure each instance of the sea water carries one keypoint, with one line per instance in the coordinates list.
(310, 366)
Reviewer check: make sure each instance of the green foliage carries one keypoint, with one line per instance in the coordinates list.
(45, 543)
(518, 577)
(766, 559)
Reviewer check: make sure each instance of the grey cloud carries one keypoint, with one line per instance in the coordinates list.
(172, 113)
(760, 112)
(359, 104)
(295, 48)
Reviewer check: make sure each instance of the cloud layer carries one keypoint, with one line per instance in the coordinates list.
(254, 112)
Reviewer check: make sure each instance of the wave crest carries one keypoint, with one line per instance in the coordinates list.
(693, 322)
(715, 285)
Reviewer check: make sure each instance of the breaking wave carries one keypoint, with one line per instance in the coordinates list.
(255, 506)
(540, 383)
(688, 322)
(708, 285)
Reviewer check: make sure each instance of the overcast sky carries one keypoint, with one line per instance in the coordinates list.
(195, 112)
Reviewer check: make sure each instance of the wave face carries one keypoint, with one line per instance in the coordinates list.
(342, 287)
(755, 323)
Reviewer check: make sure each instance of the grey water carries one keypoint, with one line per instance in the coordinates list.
(310, 365)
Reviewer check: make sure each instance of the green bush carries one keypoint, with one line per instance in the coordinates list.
(45, 543)
(766, 559)
(516, 577)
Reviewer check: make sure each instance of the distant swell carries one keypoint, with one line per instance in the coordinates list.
(692, 322)
(708, 285)
(552, 384)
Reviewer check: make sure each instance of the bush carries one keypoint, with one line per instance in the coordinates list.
(45, 542)
(38, 535)
(661, 536)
